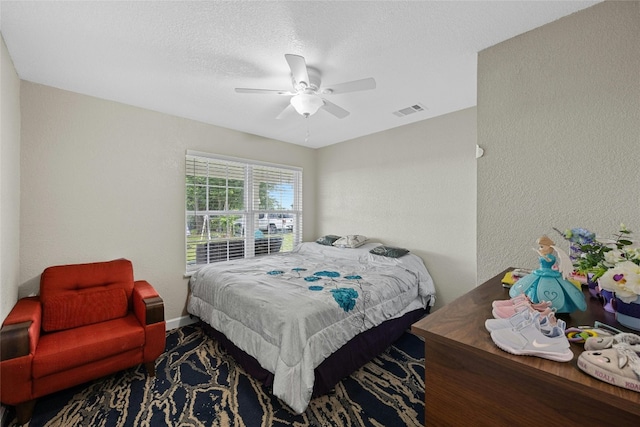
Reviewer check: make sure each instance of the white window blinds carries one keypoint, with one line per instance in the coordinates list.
(238, 208)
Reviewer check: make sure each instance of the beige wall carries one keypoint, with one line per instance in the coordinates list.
(559, 118)
(102, 180)
(9, 182)
(412, 186)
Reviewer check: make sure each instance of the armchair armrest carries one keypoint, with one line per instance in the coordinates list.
(147, 304)
(154, 308)
(14, 340)
(20, 331)
(19, 338)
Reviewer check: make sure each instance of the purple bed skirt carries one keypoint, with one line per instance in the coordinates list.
(346, 360)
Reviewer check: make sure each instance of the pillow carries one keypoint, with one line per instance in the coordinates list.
(350, 241)
(327, 240)
(73, 309)
(389, 251)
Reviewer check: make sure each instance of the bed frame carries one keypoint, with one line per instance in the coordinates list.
(349, 358)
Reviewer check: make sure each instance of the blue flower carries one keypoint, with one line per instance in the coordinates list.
(327, 273)
(580, 235)
(354, 277)
(316, 288)
(345, 297)
(311, 278)
(275, 272)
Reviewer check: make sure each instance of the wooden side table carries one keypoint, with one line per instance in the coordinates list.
(470, 381)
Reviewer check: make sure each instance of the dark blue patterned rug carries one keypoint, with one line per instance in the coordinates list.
(198, 384)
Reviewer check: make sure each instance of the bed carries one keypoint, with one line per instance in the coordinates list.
(294, 319)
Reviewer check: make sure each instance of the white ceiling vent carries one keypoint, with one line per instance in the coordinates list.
(409, 110)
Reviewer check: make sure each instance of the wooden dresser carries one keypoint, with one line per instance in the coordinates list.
(471, 382)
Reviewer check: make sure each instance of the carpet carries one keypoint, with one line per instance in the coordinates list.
(198, 384)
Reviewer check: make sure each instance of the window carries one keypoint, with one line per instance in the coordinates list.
(239, 208)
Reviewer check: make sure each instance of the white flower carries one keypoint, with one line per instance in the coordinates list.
(633, 253)
(623, 279)
(612, 257)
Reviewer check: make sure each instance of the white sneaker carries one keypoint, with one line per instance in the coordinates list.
(526, 339)
(511, 322)
(548, 322)
(546, 319)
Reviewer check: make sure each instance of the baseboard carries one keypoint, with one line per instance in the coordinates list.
(180, 321)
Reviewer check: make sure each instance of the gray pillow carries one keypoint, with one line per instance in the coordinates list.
(351, 241)
(327, 240)
(389, 251)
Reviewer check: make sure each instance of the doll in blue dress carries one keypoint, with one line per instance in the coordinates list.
(548, 284)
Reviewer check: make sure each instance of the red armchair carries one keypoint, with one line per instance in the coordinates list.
(90, 320)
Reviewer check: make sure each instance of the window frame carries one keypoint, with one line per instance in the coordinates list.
(256, 173)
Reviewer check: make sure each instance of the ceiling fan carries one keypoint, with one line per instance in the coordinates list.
(306, 97)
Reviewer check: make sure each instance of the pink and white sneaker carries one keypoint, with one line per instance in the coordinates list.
(522, 298)
(506, 311)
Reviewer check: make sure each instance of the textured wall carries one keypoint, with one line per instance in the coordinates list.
(9, 182)
(413, 186)
(102, 180)
(559, 119)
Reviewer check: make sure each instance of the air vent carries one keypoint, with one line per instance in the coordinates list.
(409, 110)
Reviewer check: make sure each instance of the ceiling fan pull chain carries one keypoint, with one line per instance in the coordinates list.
(306, 138)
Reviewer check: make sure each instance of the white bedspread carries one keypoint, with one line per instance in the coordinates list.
(291, 311)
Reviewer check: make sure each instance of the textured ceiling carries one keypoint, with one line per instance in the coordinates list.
(186, 58)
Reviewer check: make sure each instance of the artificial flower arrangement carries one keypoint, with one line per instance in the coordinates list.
(614, 263)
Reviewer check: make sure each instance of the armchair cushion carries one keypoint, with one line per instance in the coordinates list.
(83, 294)
(63, 278)
(70, 310)
(67, 349)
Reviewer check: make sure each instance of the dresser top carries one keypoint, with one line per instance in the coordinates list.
(461, 323)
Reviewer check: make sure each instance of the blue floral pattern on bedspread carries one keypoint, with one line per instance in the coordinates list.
(275, 272)
(331, 274)
(345, 297)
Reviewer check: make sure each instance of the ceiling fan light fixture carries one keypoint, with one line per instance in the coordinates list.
(306, 104)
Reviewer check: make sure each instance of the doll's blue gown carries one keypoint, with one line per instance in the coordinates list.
(547, 284)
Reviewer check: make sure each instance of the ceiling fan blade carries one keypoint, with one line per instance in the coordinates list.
(332, 108)
(288, 111)
(354, 86)
(264, 91)
(298, 68)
